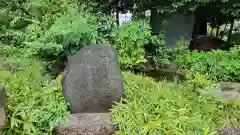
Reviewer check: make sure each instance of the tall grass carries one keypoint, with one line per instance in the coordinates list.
(152, 108)
(35, 104)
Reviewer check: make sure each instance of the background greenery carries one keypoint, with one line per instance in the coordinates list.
(38, 36)
(218, 65)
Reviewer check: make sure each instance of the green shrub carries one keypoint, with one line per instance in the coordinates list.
(105, 27)
(68, 34)
(163, 56)
(129, 41)
(198, 80)
(8, 50)
(12, 37)
(35, 103)
(217, 64)
(45, 13)
(164, 108)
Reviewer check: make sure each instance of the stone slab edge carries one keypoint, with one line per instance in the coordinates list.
(2, 111)
(87, 124)
(2, 119)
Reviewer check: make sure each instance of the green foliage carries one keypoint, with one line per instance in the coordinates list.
(106, 26)
(56, 29)
(69, 33)
(62, 33)
(35, 104)
(198, 80)
(129, 42)
(170, 6)
(218, 65)
(228, 7)
(16, 15)
(9, 51)
(164, 56)
(181, 47)
(11, 36)
(164, 108)
(161, 56)
(232, 8)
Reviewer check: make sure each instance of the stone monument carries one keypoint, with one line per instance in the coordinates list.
(92, 80)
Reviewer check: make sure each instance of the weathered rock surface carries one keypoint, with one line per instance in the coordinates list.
(230, 131)
(230, 86)
(92, 80)
(87, 124)
(228, 91)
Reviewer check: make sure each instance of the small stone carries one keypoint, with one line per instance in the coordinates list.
(87, 124)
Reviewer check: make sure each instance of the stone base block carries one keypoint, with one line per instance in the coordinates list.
(2, 119)
(87, 124)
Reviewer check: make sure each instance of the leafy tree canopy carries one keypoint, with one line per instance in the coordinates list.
(230, 7)
(14, 11)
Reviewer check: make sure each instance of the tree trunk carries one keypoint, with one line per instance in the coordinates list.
(203, 28)
(230, 31)
(217, 32)
(195, 33)
(117, 13)
(155, 21)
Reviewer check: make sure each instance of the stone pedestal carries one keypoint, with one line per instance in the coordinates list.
(87, 124)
